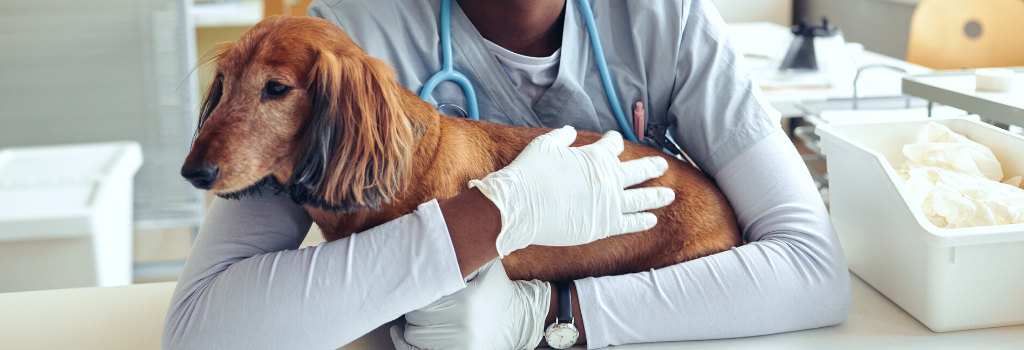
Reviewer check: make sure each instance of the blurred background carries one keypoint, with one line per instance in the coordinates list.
(98, 101)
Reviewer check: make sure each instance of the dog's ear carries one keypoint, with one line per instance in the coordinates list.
(216, 89)
(210, 102)
(358, 143)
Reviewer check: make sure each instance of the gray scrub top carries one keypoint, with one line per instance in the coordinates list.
(674, 56)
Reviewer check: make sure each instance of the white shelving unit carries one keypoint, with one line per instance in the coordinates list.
(236, 13)
(957, 89)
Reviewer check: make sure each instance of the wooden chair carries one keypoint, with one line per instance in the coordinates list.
(957, 34)
(285, 7)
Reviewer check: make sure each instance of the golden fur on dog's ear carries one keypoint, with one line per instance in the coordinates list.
(359, 143)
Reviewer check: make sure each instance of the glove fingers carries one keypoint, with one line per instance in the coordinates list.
(641, 199)
(643, 169)
(486, 268)
(449, 308)
(440, 337)
(611, 141)
(562, 137)
(492, 269)
(637, 222)
(399, 340)
(440, 311)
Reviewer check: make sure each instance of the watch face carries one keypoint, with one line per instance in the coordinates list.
(562, 337)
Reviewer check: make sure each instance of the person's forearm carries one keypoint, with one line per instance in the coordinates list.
(245, 285)
(577, 315)
(791, 276)
(473, 223)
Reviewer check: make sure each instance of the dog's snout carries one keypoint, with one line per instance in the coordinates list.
(200, 177)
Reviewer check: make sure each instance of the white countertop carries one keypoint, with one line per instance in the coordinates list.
(131, 317)
(874, 323)
(126, 317)
(762, 43)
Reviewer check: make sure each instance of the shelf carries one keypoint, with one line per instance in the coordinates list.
(241, 13)
(957, 89)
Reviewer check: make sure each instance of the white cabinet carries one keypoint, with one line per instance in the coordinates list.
(66, 215)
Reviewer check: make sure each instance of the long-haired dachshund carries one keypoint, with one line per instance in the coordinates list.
(297, 105)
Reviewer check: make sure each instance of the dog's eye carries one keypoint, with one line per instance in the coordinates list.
(275, 90)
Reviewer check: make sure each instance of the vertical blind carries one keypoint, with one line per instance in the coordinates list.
(104, 70)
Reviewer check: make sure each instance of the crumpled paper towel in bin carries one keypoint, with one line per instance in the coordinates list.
(955, 181)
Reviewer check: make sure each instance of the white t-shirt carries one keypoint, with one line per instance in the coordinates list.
(531, 76)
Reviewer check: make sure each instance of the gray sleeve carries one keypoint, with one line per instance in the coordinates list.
(246, 286)
(790, 276)
(320, 9)
(717, 109)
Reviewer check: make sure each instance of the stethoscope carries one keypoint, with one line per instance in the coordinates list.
(448, 72)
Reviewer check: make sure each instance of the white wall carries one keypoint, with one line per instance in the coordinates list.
(777, 11)
(883, 26)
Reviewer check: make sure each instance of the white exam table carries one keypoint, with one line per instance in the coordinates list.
(131, 317)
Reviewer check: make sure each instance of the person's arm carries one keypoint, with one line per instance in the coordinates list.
(791, 276)
(245, 286)
(792, 273)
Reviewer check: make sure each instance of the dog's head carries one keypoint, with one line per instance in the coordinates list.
(295, 102)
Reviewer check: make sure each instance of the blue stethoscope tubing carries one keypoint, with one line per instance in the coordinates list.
(448, 71)
(602, 67)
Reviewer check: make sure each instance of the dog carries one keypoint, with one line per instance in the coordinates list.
(296, 105)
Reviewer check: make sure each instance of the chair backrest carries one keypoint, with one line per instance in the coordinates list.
(285, 7)
(956, 34)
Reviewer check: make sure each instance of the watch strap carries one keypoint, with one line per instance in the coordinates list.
(564, 303)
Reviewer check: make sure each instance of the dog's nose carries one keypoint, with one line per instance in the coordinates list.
(201, 177)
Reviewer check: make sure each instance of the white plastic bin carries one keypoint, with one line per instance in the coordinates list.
(949, 279)
(66, 215)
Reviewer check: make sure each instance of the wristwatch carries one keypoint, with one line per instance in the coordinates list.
(562, 334)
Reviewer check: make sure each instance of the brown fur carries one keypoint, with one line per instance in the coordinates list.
(389, 151)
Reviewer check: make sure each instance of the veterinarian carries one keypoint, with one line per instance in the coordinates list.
(532, 63)
(245, 285)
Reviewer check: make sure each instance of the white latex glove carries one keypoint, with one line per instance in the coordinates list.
(556, 195)
(492, 312)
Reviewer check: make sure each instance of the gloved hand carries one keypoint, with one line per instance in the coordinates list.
(556, 195)
(492, 312)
